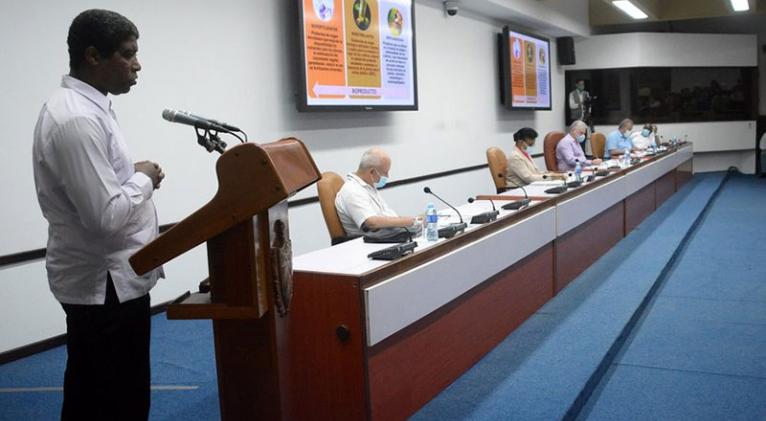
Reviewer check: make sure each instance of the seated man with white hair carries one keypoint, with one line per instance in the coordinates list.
(359, 203)
(568, 150)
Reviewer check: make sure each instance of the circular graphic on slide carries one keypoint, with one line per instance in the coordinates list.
(323, 9)
(395, 21)
(516, 49)
(541, 56)
(530, 52)
(362, 14)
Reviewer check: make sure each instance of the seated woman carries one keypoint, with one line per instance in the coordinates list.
(521, 167)
(645, 138)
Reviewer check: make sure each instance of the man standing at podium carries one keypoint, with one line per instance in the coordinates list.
(99, 208)
(359, 204)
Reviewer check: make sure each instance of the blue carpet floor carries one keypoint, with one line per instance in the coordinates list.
(697, 352)
(543, 369)
(183, 377)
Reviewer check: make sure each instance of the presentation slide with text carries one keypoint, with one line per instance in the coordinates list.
(358, 53)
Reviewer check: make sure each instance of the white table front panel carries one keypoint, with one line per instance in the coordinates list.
(406, 298)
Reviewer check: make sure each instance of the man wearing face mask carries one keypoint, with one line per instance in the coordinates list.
(643, 139)
(521, 168)
(618, 142)
(359, 204)
(568, 150)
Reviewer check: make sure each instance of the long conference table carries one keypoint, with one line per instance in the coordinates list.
(373, 339)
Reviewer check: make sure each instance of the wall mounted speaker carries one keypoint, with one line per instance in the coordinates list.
(565, 49)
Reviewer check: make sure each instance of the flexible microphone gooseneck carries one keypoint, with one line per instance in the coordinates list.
(428, 190)
(484, 217)
(558, 189)
(451, 229)
(473, 199)
(519, 204)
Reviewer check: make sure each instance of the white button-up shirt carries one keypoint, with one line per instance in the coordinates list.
(99, 210)
(356, 201)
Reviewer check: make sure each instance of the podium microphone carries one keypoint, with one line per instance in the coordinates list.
(484, 217)
(451, 229)
(182, 117)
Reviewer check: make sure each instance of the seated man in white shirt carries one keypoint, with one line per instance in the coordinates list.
(359, 203)
(645, 138)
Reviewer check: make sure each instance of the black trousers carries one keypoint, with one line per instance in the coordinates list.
(107, 371)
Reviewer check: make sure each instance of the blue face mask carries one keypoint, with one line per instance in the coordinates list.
(645, 133)
(626, 134)
(580, 138)
(382, 182)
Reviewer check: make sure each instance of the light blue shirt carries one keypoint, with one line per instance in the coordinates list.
(616, 140)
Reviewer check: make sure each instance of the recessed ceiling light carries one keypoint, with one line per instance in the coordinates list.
(630, 9)
(740, 5)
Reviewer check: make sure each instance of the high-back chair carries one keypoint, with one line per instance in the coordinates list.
(597, 144)
(549, 149)
(328, 187)
(498, 168)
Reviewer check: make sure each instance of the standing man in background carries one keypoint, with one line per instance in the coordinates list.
(577, 102)
(99, 208)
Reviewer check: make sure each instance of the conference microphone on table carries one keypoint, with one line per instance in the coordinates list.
(386, 235)
(394, 252)
(484, 217)
(519, 204)
(451, 229)
(573, 184)
(558, 189)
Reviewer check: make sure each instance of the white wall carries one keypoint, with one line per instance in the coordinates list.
(647, 49)
(734, 139)
(237, 63)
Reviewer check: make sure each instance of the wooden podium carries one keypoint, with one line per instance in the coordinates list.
(245, 226)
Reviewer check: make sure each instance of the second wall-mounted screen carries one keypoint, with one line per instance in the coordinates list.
(357, 55)
(526, 71)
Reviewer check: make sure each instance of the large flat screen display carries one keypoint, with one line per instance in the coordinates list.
(526, 71)
(357, 55)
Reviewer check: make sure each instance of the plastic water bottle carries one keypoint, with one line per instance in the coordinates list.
(432, 220)
(578, 170)
(626, 158)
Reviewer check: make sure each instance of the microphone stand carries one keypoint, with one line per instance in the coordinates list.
(519, 204)
(451, 229)
(484, 217)
(210, 140)
(558, 189)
